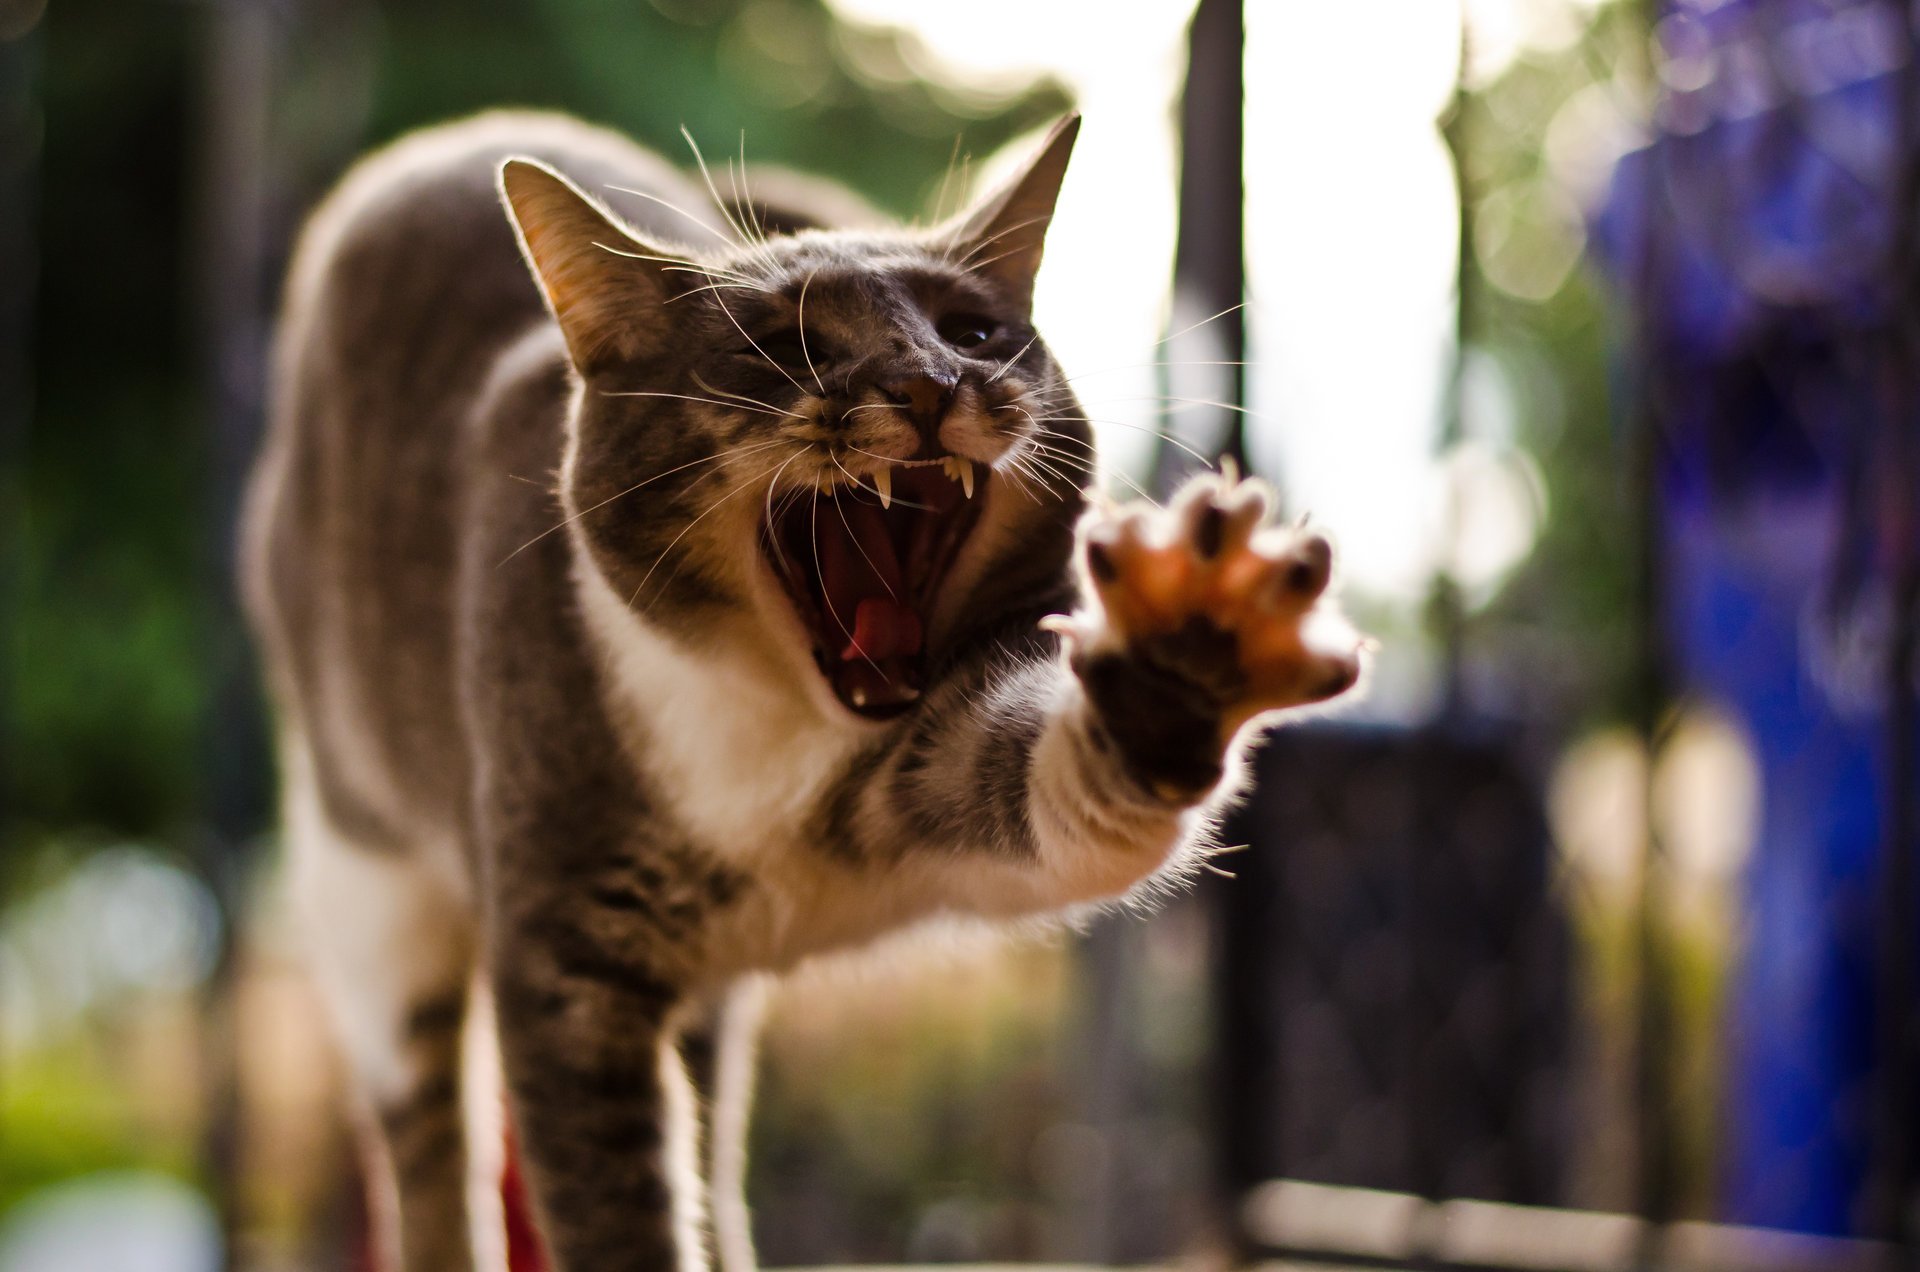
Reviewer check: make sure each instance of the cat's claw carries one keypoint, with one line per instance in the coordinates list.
(1212, 562)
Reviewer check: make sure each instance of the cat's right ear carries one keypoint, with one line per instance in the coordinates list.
(603, 284)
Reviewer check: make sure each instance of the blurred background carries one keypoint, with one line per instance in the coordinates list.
(1588, 328)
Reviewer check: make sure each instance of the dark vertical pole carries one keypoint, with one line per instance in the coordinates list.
(1209, 279)
(1209, 263)
(1110, 957)
(233, 251)
(19, 267)
(1890, 1182)
(1445, 615)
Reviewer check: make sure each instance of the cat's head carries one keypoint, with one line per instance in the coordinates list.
(852, 442)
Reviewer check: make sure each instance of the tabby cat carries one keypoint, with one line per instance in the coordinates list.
(651, 601)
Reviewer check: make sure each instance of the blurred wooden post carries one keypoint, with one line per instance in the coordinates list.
(1209, 262)
(1209, 327)
(234, 253)
(19, 209)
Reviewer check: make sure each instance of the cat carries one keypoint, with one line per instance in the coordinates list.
(650, 602)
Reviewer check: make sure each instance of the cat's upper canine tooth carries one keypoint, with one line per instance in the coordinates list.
(883, 486)
(960, 469)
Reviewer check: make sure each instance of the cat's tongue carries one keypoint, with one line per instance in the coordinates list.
(860, 579)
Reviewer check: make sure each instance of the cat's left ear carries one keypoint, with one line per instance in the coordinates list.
(603, 284)
(1003, 236)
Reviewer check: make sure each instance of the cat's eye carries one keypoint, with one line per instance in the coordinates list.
(786, 348)
(966, 331)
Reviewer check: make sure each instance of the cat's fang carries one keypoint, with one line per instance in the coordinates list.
(883, 486)
(960, 469)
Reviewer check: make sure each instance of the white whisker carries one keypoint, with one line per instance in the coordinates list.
(707, 459)
(801, 321)
(672, 207)
(711, 509)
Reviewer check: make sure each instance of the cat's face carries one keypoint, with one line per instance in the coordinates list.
(855, 437)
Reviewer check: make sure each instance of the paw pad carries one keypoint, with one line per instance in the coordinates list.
(1211, 559)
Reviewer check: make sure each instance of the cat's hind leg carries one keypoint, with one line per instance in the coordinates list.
(719, 1049)
(391, 946)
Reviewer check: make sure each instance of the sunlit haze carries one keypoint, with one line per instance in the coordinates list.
(1352, 249)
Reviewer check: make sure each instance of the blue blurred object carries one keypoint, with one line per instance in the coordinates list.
(1754, 239)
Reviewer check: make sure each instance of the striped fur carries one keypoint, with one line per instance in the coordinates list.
(549, 723)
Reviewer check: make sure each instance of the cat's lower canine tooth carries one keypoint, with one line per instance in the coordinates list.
(883, 486)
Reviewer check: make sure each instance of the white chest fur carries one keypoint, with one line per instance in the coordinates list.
(736, 743)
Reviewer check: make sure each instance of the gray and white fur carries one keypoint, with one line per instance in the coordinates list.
(565, 714)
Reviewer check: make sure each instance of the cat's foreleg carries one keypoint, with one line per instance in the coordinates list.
(392, 950)
(1088, 772)
(1196, 619)
(602, 1110)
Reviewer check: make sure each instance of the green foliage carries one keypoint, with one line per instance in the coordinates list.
(1566, 620)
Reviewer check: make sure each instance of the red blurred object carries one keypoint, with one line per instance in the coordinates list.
(523, 1242)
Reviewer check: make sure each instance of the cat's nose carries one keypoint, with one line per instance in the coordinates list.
(925, 397)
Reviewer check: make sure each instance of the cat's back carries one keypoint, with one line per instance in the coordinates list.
(405, 292)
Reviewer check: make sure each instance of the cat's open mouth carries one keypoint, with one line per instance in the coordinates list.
(864, 571)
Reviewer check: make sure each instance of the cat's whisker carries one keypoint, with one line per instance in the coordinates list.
(878, 573)
(826, 594)
(725, 309)
(753, 401)
(1162, 434)
(671, 206)
(979, 265)
(1113, 472)
(673, 264)
(745, 282)
(773, 536)
(700, 160)
(758, 408)
(744, 201)
(946, 180)
(710, 510)
(801, 322)
(963, 261)
(1020, 475)
(1172, 399)
(1196, 326)
(1008, 364)
(563, 524)
(1047, 457)
(716, 287)
(1147, 366)
(1018, 464)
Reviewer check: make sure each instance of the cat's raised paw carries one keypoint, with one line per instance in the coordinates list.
(1210, 591)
